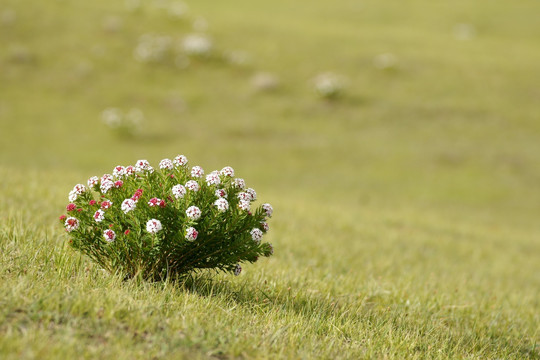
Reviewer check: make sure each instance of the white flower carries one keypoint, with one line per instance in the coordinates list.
(192, 185)
(191, 234)
(239, 183)
(328, 85)
(106, 204)
(142, 165)
(252, 194)
(72, 196)
(227, 171)
(93, 181)
(109, 235)
(153, 226)
(128, 205)
(237, 270)
(197, 172)
(244, 196)
(268, 209)
(112, 117)
(213, 178)
(193, 212)
(244, 205)
(265, 226)
(106, 177)
(166, 164)
(179, 191)
(71, 224)
(106, 186)
(99, 215)
(180, 160)
(119, 171)
(221, 204)
(220, 193)
(130, 170)
(256, 235)
(79, 189)
(196, 44)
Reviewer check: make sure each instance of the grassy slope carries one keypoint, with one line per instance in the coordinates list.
(406, 213)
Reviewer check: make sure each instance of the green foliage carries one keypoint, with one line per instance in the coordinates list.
(142, 221)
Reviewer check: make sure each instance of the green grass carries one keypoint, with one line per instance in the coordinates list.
(406, 213)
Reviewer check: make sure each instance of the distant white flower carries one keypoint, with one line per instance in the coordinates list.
(252, 194)
(119, 171)
(109, 235)
(128, 205)
(180, 160)
(152, 48)
(464, 32)
(213, 179)
(106, 186)
(220, 193)
(153, 226)
(71, 224)
(256, 235)
(239, 183)
(221, 204)
(93, 181)
(268, 209)
(112, 117)
(142, 165)
(191, 234)
(237, 270)
(263, 81)
(178, 191)
(177, 9)
(244, 205)
(99, 215)
(197, 45)
(385, 61)
(193, 212)
(197, 172)
(192, 185)
(227, 171)
(166, 164)
(329, 85)
(244, 196)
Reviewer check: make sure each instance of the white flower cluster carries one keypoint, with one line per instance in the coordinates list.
(131, 121)
(128, 205)
(329, 85)
(221, 204)
(197, 45)
(193, 212)
(77, 190)
(153, 226)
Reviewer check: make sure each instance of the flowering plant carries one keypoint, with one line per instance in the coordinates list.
(167, 222)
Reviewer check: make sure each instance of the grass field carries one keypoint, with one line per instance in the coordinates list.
(406, 211)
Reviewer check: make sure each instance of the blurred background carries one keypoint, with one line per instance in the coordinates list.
(352, 117)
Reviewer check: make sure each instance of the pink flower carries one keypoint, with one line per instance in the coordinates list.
(256, 235)
(118, 184)
(71, 207)
(239, 183)
(197, 172)
(221, 204)
(180, 160)
(193, 212)
(127, 232)
(191, 234)
(106, 204)
(244, 205)
(71, 224)
(178, 191)
(220, 193)
(227, 171)
(93, 181)
(166, 164)
(92, 202)
(153, 226)
(99, 215)
(128, 205)
(109, 235)
(268, 209)
(137, 195)
(192, 185)
(237, 270)
(62, 217)
(154, 202)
